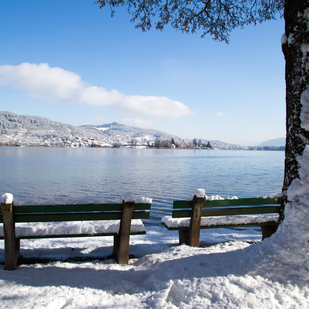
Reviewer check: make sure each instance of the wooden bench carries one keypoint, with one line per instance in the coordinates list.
(121, 230)
(188, 217)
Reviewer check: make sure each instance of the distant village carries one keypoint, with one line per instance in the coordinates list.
(21, 140)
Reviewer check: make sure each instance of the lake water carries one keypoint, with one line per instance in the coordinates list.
(163, 175)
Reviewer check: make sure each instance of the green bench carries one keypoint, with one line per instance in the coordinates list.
(70, 215)
(188, 217)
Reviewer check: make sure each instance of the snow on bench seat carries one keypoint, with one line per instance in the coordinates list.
(91, 228)
(208, 222)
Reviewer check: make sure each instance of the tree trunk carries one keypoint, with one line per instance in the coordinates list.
(284, 255)
(295, 46)
(289, 244)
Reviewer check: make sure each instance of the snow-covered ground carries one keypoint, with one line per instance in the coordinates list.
(161, 274)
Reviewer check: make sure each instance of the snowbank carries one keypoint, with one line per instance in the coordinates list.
(162, 274)
(231, 269)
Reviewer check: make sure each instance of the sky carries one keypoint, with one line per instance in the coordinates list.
(71, 62)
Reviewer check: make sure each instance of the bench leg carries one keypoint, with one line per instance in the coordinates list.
(268, 230)
(183, 237)
(11, 243)
(17, 248)
(195, 222)
(116, 245)
(122, 241)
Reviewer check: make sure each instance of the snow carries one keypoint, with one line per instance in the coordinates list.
(214, 198)
(284, 39)
(71, 228)
(130, 198)
(199, 193)
(299, 187)
(127, 197)
(231, 269)
(7, 198)
(102, 129)
(162, 274)
(170, 222)
(274, 196)
(305, 110)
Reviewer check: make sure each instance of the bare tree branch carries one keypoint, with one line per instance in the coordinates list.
(215, 17)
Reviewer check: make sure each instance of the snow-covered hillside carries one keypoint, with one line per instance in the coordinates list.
(38, 131)
(277, 142)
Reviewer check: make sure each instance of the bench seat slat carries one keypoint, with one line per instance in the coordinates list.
(243, 202)
(75, 208)
(56, 217)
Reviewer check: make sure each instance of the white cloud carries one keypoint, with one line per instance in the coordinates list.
(220, 114)
(40, 80)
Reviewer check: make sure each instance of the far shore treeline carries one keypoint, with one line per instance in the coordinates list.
(165, 144)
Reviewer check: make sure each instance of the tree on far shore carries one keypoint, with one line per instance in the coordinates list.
(157, 143)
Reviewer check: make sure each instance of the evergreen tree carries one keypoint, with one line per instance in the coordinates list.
(157, 143)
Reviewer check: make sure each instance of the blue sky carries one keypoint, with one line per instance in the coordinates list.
(71, 62)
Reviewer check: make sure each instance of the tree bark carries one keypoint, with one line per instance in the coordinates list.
(295, 46)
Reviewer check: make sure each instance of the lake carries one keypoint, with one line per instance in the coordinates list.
(161, 174)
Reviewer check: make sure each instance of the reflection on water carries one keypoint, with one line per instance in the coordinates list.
(163, 175)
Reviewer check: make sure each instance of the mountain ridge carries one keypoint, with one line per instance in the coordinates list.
(277, 142)
(40, 131)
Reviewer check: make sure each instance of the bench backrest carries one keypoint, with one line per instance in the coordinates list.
(229, 207)
(86, 212)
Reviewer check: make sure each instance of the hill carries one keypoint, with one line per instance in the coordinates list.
(277, 142)
(39, 131)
